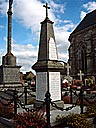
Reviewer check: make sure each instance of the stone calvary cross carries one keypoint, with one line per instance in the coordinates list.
(46, 6)
(9, 71)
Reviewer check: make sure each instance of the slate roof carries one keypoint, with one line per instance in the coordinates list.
(89, 20)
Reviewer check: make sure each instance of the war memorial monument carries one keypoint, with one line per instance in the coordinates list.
(47, 66)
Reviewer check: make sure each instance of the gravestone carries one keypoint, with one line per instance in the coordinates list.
(68, 77)
(80, 74)
(48, 67)
(9, 71)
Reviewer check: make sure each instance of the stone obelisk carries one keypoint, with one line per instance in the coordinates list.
(9, 71)
(47, 66)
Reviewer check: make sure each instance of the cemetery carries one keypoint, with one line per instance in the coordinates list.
(70, 103)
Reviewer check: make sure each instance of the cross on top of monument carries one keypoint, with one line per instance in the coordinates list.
(80, 74)
(46, 6)
(68, 68)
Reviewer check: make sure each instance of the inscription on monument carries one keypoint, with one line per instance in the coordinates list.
(41, 85)
(11, 75)
(52, 50)
(55, 85)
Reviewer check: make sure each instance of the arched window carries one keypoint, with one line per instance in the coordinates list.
(83, 59)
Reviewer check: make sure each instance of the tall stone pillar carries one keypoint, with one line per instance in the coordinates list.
(9, 71)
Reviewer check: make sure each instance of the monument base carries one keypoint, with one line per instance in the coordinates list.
(58, 103)
(10, 76)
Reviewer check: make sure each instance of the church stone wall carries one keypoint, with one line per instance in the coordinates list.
(1, 77)
(82, 52)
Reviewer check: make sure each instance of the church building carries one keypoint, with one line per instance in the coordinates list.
(82, 49)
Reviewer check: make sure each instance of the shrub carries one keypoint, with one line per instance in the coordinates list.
(78, 121)
(31, 101)
(91, 110)
(31, 120)
(75, 121)
(6, 110)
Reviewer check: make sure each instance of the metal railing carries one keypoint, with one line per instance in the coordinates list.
(47, 102)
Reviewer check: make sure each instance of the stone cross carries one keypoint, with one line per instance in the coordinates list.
(68, 68)
(46, 6)
(80, 74)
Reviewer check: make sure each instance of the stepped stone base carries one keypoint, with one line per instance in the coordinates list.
(10, 86)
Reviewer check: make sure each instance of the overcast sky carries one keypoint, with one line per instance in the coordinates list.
(27, 15)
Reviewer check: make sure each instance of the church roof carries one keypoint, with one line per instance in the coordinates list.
(89, 20)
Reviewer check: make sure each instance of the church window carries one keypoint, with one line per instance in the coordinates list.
(83, 60)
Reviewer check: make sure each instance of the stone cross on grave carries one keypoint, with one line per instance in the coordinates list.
(68, 68)
(46, 6)
(80, 74)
